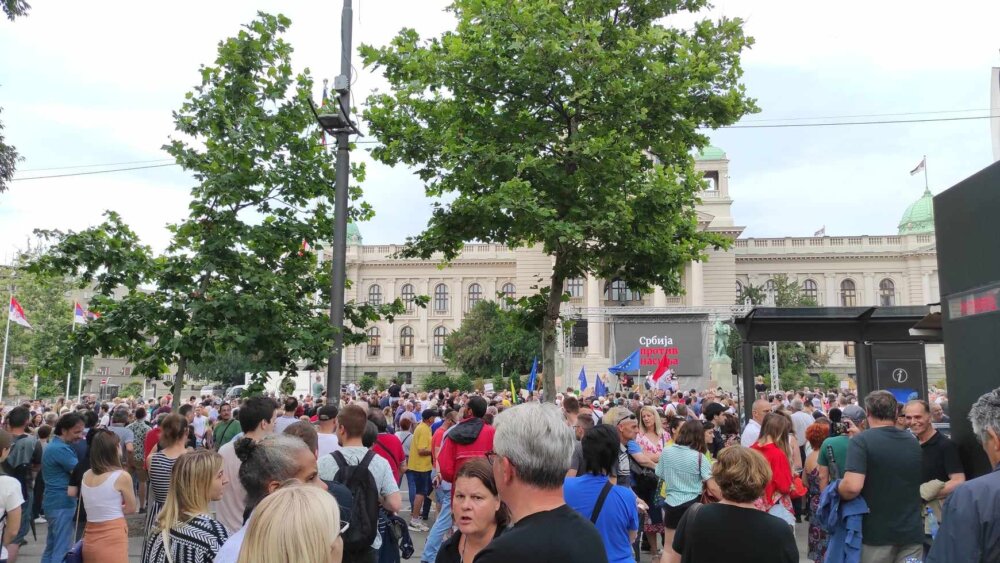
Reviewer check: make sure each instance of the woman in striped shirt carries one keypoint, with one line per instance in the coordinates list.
(160, 462)
(185, 529)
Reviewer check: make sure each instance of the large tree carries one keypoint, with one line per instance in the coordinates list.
(8, 154)
(235, 278)
(45, 350)
(569, 125)
(491, 337)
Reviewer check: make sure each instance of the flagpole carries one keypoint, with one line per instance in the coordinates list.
(927, 186)
(72, 329)
(6, 340)
(79, 383)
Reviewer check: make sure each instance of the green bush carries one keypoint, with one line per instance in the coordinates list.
(463, 383)
(367, 382)
(436, 381)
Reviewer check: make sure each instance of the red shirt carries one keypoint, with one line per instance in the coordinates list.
(781, 480)
(152, 437)
(389, 447)
(436, 441)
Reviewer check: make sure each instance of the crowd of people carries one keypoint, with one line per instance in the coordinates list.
(495, 477)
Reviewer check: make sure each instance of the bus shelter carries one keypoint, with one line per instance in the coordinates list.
(889, 348)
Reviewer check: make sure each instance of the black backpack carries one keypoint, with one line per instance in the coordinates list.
(21, 472)
(364, 507)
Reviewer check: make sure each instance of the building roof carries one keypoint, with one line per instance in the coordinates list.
(919, 216)
(711, 153)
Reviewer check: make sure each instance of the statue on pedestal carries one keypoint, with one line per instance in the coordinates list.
(722, 331)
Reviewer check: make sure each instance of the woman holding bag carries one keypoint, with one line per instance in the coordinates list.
(686, 470)
(773, 445)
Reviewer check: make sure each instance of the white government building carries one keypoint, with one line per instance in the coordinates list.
(896, 269)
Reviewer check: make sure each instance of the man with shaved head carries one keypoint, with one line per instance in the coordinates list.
(752, 432)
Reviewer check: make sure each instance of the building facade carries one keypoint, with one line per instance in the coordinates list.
(612, 320)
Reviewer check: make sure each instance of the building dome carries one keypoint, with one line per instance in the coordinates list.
(353, 234)
(919, 216)
(711, 153)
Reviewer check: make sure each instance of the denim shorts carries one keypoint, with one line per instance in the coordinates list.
(421, 482)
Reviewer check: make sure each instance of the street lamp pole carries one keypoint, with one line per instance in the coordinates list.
(342, 85)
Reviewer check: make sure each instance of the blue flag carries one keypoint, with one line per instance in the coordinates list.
(631, 363)
(583, 379)
(534, 374)
(600, 390)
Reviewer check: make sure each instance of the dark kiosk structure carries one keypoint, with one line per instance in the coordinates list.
(889, 351)
(967, 217)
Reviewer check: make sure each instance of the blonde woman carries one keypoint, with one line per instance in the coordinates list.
(652, 439)
(185, 532)
(295, 523)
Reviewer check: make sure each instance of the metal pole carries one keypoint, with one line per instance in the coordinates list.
(6, 340)
(79, 383)
(36, 388)
(339, 250)
(72, 328)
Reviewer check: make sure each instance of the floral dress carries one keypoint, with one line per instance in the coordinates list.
(653, 524)
(817, 537)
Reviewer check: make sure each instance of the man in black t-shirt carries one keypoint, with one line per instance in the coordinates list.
(394, 390)
(939, 458)
(532, 448)
(884, 465)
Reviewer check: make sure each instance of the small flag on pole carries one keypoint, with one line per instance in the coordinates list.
(304, 248)
(513, 393)
(821, 232)
(661, 368)
(92, 315)
(921, 166)
(79, 315)
(600, 389)
(534, 374)
(17, 313)
(583, 379)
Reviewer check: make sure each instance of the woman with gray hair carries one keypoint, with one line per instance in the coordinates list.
(532, 449)
(267, 465)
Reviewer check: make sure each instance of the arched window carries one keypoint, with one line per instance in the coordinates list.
(618, 290)
(574, 287)
(441, 298)
(375, 295)
(739, 291)
(810, 290)
(770, 292)
(440, 334)
(408, 296)
(374, 342)
(886, 293)
(848, 294)
(406, 342)
(508, 291)
(475, 295)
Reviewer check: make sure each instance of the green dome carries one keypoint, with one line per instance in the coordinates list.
(919, 216)
(353, 234)
(711, 153)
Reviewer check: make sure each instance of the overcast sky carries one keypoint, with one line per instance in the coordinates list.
(85, 84)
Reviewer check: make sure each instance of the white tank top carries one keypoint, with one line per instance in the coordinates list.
(103, 502)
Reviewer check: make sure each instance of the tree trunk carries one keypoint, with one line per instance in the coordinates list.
(179, 381)
(549, 325)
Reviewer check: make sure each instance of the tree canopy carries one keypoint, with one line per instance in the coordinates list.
(489, 337)
(235, 277)
(569, 125)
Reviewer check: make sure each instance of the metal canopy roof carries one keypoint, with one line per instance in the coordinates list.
(833, 324)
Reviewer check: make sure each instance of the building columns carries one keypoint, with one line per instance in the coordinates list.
(595, 321)
(697, 284)
(870, 297)
(832, 291)
(926, 288)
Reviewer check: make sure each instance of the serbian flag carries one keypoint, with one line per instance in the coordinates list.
(921, 166)
(661, 368)
(91, 315)
(17, 313)
(304, 248)
(79, 315)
